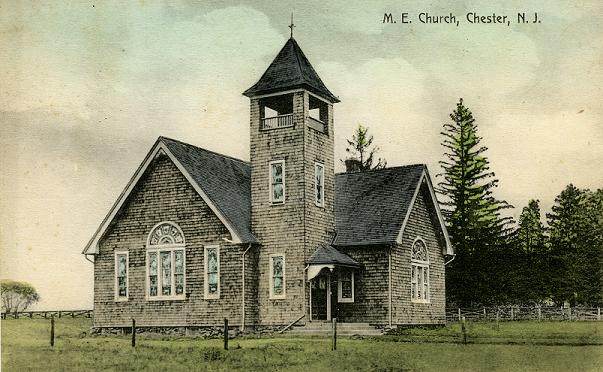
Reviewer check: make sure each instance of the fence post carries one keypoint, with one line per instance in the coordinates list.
(334, 334)
(539, 313)
(133, 332)
(464, 329)
(459, 314)
(598, 313)
(52, 331)
(497, 318)
(512, 315)
(485, 317)
(225, 334)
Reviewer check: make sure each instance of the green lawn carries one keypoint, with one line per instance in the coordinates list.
(560, 346)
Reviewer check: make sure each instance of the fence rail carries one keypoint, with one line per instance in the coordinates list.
(513, 313)
(50, 313)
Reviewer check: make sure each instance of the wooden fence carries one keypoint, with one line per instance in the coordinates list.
(513, 313)
(49, 314)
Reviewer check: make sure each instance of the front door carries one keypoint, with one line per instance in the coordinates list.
(319, 297)
(324, 296)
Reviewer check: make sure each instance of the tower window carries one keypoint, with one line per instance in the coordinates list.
(318, 114)
(277, 276)
(277, 181)
(276, 112)
(319, 184)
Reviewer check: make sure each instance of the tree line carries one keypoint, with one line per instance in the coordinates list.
(500, 261)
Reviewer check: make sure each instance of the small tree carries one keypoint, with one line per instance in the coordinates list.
(361, 155)
(17, 296)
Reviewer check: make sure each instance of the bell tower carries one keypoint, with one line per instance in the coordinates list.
(292, 179)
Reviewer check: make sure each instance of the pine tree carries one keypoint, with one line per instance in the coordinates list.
(361, 156)
(576, 229)
(530, 257)
(477, 229)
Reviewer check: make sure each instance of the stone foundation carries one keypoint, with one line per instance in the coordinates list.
(192, 331)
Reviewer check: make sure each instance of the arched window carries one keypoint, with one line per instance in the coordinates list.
(419, 274)
(165, 262)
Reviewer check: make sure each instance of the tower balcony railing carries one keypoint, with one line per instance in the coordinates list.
(280, 121)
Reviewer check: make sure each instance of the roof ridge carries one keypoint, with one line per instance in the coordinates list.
(383, 169)
(295, 52)
(204, 149)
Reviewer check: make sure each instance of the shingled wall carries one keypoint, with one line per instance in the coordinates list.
(422, 223)
(164, 194)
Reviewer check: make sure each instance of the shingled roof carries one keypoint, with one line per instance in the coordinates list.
(225, 181)
(328, 255)
(370, 207)
(289, 70)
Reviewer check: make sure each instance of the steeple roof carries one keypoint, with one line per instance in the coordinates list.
(289, 70)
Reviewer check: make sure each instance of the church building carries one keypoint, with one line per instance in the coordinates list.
(197, 237)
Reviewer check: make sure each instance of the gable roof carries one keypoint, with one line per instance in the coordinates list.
(370, 207)
(222, 182)
(329, 255)
(225, 180)
(290, 69)
(373, 207)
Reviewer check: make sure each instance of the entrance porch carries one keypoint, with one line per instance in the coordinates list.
(331, 280)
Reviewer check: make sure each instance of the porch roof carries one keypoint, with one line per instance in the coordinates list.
(328, 255)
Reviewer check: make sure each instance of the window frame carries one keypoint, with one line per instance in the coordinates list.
(172, 248)
(422, 282)
(274, 296)
(340, 298)
(320, 203)
(206, 294)
(119, 298)
(271, 184)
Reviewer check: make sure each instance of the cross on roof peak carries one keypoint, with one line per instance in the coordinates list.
(292, 25)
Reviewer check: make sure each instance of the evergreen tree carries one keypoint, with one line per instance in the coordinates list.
(361, 156)
(477, 229)
(565, 234)
(576, 225)
(530, 257)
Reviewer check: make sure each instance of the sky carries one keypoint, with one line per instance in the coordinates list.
(87, 87)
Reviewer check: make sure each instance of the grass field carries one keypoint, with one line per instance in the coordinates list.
(520, 346)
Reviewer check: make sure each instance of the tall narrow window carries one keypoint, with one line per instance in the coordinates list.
(345, 290)
(319, 184)
(212, 272)
(277, 276)
(166, 263)
(419, 272)
(121, 276)
(277, 181)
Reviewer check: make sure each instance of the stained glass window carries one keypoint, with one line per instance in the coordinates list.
(319, 173)
(165, 262)
(346, 286)
(277, 182)
(278, 275)
(419, 281)
(166, 273)
(212, 268)
(153, 273)
(179, 271)
(121, 271)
